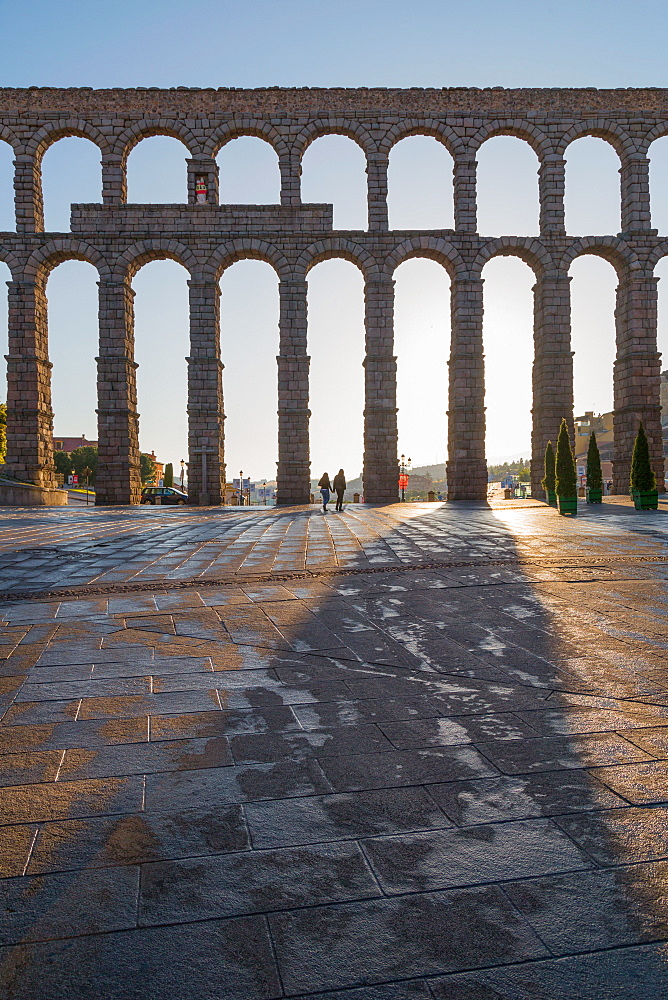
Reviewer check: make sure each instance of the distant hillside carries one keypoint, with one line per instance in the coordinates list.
(435, 471)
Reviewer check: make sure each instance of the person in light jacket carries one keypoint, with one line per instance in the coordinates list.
(339, 488)
(325, 488)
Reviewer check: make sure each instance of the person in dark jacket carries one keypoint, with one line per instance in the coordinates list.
(325, 487)
(339, 488)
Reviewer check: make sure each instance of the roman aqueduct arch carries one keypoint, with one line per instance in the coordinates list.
(206, 237)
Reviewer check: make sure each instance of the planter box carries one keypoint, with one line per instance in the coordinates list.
(551, 498)
(594, 496)
(568, 505)
(645, 501)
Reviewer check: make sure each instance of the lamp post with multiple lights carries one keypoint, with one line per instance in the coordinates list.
(404, 469)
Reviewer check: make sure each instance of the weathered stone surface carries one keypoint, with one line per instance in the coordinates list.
(403, 814)
(206, 237)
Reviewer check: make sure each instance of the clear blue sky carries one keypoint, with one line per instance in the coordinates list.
(335, 43)
(255, 43)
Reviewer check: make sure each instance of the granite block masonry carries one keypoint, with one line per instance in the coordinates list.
(206, 237)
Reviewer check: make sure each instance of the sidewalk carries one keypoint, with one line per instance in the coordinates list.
(412, 751)
(42, 549)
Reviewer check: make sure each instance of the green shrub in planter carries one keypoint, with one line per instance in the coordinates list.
(549, 481)
(566, 478)
(643, 481)
(594, 472)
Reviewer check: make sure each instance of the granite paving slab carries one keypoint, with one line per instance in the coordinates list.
(141, 962)
(410, 751)
(622, 973)
(354, 944)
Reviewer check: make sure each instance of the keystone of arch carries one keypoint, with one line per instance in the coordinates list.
(147, 128)
(337, 247)
(610, 248)
(530, 250)
(245, 248)
(600, 128)
(236, 128)
(431, 248)
(43, 260)
(335, 126)
(134, 257)
(423, 126)
(38, 143)
(540, 142)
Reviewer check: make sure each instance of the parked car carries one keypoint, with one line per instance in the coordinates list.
(166, 494)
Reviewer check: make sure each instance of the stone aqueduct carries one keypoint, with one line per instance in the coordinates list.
(206, 237)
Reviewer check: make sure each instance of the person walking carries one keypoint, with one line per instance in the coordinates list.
(325, 488)
(339, 489)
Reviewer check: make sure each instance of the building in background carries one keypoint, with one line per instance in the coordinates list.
(72, 443)
(601, 425)
(156, 479)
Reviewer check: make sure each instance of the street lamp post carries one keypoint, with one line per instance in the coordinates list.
(404, 467)
(241, 487)
(86, 472)
(182, 468)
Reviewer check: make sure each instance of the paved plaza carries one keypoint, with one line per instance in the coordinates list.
(413, 751)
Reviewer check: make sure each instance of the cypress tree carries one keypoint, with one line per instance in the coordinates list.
(566, 485)
(594, 472)
(548, 482)
(643, 479)
(168, 477)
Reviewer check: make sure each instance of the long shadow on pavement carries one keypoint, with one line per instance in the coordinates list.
(445, 784)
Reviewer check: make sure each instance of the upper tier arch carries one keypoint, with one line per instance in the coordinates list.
(236, 129)
(173, 128)
(12, 261)
(230, 252)
(617, 136)
(531, 251)
(428, 126)
(337, 247)
(529, 133)
(320, 127)
(8, 136)
(622, 257)
(430, 247)
(43, 260)
(49, 134)
(126, 266)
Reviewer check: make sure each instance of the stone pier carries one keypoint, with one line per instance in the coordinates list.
(206, 237)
